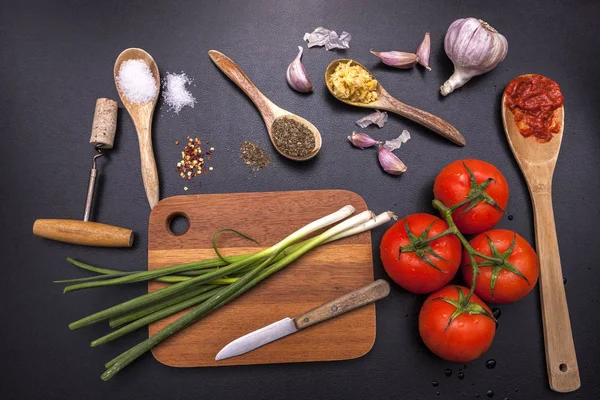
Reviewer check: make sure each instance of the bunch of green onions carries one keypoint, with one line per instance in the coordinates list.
(204, 285)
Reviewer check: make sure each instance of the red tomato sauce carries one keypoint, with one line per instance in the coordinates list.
(533, 100)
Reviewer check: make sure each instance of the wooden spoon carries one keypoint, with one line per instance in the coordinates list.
(537, 161)
(269, 111)
(387, 102)
(141, 114)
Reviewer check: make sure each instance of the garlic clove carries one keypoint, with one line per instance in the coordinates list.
(423, 51)
(296, 75)
(361, 140)
(397, 59)
(389, 162)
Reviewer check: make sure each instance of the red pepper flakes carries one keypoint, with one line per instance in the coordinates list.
(192, 159)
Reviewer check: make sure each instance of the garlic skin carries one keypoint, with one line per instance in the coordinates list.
(397, 59)
(389, 162)
(424, 50)
(362, 140)
(296, 75)
(475, 48)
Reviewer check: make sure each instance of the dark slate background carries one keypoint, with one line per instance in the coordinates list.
(57, 57)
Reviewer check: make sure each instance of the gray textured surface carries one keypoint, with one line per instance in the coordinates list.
(56, 58)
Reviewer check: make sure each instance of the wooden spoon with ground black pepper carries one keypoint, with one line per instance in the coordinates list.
(293, 137)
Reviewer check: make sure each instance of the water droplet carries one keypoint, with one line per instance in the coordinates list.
(490, 364)
(477, 395)
(564, 281)
(496, 312)
(506, 398)
(435, 383)
(516, 390)
(510, 217)
(437, 393)
(461, 375)
(405, 315)
(448, 372)
(490, 393)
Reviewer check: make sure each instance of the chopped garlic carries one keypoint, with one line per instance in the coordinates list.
(354, 83)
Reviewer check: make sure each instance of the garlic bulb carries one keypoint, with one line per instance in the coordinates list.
(296, 75)
(475, 48)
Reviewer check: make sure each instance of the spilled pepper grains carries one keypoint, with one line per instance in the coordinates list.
(254, 156)
(192, 159)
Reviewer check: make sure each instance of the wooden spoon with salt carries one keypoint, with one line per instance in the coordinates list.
(141, 114)
(268, 110)
(537, 161)
(387, 102)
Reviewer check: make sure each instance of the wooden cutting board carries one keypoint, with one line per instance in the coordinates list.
(321, 275)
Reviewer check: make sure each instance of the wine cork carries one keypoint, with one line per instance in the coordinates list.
(104, 126)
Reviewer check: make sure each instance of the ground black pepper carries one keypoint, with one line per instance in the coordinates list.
(254, 156)
(292, 137)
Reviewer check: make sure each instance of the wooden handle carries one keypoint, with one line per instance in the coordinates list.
(148, 163)
(561, 360)
(428, 120)
(83, 233)
(237, 76)
(353, 300)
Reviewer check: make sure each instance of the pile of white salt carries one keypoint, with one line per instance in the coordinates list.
(175, 93)
(136, 81)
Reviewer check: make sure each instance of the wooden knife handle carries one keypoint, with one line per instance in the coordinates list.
(83, 233)
(348, 302)
(561, 360)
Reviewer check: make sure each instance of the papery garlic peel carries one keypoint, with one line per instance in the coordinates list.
(474, 48)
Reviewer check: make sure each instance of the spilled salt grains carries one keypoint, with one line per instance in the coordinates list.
(136, 82)
(292, 137)
(254, 156)
(175, 93)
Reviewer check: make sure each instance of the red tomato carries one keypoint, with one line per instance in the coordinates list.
(464, 339)
(509, 286)
(454, 184)
(430, 266)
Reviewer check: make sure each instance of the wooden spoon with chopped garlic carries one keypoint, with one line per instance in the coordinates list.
(272, 114)
(351, 83)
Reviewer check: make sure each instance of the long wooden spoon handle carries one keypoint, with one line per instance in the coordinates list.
(561, 361)
(428, 120)
(351, 301)
(148, 163)
(237, 76)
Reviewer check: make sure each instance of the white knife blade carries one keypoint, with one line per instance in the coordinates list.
(355, 299)
(258, 338)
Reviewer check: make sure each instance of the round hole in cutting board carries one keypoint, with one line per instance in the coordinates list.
(563, 367)
(178, 224)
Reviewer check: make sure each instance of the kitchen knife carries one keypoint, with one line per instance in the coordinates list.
(353, 300)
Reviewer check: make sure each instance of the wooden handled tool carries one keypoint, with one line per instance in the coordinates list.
(85, 232)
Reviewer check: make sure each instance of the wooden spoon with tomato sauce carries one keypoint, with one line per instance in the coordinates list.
(537, 158)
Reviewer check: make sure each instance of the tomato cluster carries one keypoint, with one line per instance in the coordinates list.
(422, 253)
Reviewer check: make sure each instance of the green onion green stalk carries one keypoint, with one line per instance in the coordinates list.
(206, 285)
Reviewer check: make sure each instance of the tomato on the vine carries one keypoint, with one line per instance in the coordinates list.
(506, 282)
(420, 267)
(479, 181)
(453, 332)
